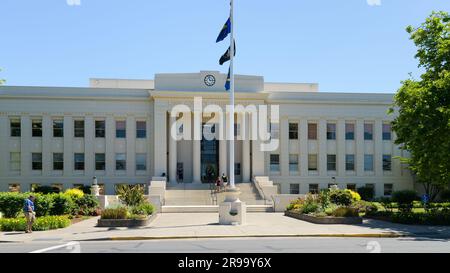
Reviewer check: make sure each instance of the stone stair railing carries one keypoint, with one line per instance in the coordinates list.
(265, 188)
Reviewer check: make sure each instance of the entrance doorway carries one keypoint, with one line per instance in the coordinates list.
(209, 156)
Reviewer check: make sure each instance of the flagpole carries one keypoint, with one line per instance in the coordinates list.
(232, 182)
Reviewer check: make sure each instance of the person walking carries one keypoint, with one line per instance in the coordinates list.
(30, 214)
(218, 182)
(224, 181)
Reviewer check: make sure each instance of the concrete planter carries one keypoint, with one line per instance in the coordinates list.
(325, 220)
(126, 222)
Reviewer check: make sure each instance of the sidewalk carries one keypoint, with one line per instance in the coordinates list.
(204, 225)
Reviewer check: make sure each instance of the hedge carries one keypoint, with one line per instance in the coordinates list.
(41, 223)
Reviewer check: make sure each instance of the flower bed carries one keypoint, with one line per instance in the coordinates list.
(331, 206)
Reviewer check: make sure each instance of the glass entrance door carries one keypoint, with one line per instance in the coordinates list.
(209, 158)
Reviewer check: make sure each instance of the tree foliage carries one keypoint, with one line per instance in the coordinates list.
(423, 122)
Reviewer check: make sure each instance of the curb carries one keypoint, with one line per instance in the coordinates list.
(144, 238)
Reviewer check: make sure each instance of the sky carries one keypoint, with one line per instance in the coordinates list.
(345, 46)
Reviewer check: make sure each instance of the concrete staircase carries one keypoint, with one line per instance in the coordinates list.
(200, 198)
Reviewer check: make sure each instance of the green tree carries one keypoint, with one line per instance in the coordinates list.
(423, 122)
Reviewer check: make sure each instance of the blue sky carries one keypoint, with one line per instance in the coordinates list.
(345, 46)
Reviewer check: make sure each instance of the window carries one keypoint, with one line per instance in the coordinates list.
(368, 131)
(58, 128)
(78, 128)
(351, 187)
(79, 162)
(99, 162)
(121, 162)
(387, 162)
(349, 162)
(141, 162)
(314, 188)
(274, 130)
(331, 162)
(36, 161)
(312, 162)
(36, 126)
(331, 131)
(368, 163)
(312, 131)
(388, 189)
(349, 131)
(387, 135)
(293, 131)
(274, 163)
(14, 162)
(58, 161)
(99, 128)
(293, 163)
(237, 168)
(14, 187)
(294, 188)
(15, 128)
(141, 129)
(121, 131)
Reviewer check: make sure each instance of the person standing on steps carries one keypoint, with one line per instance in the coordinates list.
(224, 181)
(30, 214)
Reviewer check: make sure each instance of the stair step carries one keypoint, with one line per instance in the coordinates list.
(211, 209)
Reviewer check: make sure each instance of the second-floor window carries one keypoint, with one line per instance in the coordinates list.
(58, 128)
(121, 129)
(274, 163)
(331, 162)
(14, 162)
(368, 163)
(368, 131)
(349, 131)
(312, 162)
(99, 128)
(141, 129)
(349, 162)
(387, 129)
(15, 128)
(99, 162)
(331, 131)
(36, 127)
(36, 161)
(78, 128)
(387, 162)
(293, 162)
(312, 131)
(121, 162)
(293, 131)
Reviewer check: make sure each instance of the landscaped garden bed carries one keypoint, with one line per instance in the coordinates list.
(53, 210)
(331, 206)
(135, 211)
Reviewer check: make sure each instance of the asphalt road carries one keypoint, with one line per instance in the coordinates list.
(250, 245)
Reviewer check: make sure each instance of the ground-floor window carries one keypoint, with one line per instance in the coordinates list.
(349, 162)
(331, 162)
(314, 188)
(141, 162)
(294, 188)
(14, 187)
(58, 186)
(351, 187)
(388, 189)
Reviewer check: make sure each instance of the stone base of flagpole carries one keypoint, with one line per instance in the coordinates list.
(232, 211)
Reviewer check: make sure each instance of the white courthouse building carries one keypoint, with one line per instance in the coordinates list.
(119, 131)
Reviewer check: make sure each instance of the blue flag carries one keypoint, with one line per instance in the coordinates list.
(228, 82)
(225, 31)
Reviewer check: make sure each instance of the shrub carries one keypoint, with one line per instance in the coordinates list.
(310, 208)
(324, 198)
(345, 212)
(131, 195)
(75, 193)
(43, 204)
(445, 195)
(11, 204)
(143, 209)
(41, 223)
(366, 193)
(365, 207)
(87, 205)
(85, 189)
(355, 196)
(404, 199)
(62, 204)
(115, 213)
(341, 197)
(46, 190)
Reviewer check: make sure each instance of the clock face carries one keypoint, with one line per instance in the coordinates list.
(210, 80)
